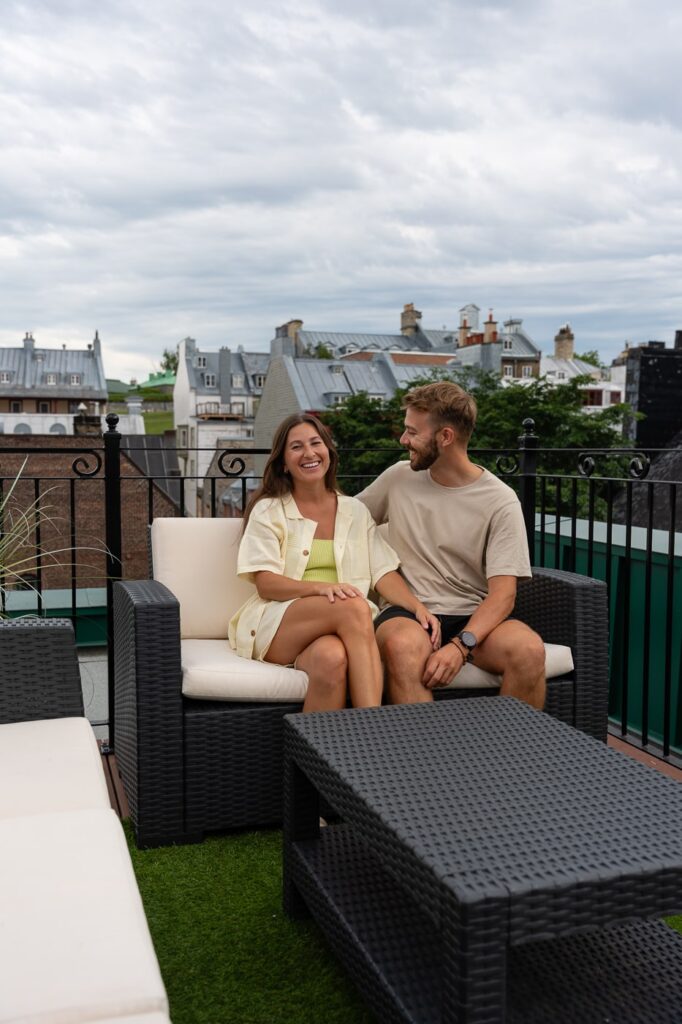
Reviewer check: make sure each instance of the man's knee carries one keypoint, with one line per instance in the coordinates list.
(404, 646)
(528, 654)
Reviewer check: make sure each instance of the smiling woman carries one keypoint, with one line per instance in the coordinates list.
(313, 555)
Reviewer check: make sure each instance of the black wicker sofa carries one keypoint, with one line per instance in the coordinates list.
(193, 765)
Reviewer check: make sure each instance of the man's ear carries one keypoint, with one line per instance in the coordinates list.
(447, 436)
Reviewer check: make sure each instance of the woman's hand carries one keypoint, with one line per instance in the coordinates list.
(333, 590)
(430, 623)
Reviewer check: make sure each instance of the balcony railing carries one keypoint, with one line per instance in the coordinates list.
(603, 513)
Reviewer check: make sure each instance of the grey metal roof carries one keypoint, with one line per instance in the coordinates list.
(156, 457)
(570, 367)
(245, 363)
(441, 341)
(29, 366)
(339, 341)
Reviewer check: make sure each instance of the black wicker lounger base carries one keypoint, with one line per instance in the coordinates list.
(489, 865)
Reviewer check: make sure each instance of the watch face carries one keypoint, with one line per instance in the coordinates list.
(467, 638)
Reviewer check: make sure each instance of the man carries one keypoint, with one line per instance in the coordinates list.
(460, 536)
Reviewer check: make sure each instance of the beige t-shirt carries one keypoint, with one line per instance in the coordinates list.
(450, 540)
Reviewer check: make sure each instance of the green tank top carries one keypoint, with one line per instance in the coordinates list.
(321, 565)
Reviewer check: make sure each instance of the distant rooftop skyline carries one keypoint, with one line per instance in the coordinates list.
(214, 170)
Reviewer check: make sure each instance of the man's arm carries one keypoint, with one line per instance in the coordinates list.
(446, 663)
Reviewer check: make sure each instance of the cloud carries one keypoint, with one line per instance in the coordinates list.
(209, 169)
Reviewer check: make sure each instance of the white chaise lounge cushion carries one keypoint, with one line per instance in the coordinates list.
(197, 560)
(212, 671)
(50, 765)
(74, 941)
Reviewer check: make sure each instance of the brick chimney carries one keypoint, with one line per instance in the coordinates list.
(408, 319)
(489, 329)
(463, 333)
(293, 327)
(563, 343)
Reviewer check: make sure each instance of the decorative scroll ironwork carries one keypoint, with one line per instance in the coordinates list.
(586, 464)
(237, 465)
(639, 466)
(81, 465)
(507, 465)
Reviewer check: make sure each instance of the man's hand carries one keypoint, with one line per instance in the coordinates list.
(443, 666)
(430, 623)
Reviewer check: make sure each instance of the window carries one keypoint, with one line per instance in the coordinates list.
(4, 377)
(237, 408)
(16, 406)
(258, 380)
(615, 397)
(339, 399)
(182, 437)
(237, 380)
(201, 362)
(209, 380)
(75, 378)
(527, 371)
(508, 371)
(43, 406)
(51, 378)
(507, 345)
(561, 375)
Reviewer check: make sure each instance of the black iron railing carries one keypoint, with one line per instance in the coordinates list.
(611, 513)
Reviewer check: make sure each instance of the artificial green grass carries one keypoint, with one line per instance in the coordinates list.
(227, 952)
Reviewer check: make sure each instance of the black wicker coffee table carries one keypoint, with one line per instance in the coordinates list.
(493, 864)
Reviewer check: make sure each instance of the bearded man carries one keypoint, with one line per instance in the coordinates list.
(461, 539)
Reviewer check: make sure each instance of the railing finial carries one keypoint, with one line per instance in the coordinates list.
(112, 421)
(528, 426)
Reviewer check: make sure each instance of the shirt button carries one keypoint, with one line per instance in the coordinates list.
(306, 552)
(253, 632)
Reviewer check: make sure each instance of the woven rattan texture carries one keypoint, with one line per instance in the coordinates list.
(572, 610)
(191, 767)
(39, 674)
(480, 797)
(629, 973)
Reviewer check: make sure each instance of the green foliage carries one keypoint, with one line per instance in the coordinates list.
(591, 356)
(320, 351)
(373, 427)
(169, 361)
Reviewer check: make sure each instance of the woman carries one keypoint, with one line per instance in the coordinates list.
(313, 555)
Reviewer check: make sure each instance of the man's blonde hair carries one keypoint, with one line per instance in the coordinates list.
(447, 404)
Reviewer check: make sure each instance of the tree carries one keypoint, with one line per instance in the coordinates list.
(169, 361)
(592, 357)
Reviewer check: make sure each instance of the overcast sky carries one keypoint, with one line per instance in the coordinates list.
(213, 169)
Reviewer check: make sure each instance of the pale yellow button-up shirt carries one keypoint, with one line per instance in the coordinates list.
(278, 539)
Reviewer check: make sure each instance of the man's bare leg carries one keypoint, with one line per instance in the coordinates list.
(516, 653)
(405, 648)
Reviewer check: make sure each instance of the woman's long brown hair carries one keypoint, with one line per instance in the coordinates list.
(276, 483)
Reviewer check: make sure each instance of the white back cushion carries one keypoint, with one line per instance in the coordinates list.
(197, 560)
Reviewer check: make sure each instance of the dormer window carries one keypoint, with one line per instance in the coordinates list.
(75, 378)
(258, 380)
(51, 378)
(507, 344)
(561, 375)
(237, 380)
(4, 377)
(201, 362)
(209, 380)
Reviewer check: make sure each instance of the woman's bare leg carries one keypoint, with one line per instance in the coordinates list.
(326, 664)
(309, 618)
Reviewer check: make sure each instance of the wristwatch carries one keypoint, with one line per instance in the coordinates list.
(468, 642)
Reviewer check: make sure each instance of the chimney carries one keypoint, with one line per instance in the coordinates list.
(463, 333)
(678, 340)
(489, 329)
(96, 344)
(408, 319)
(29, 343)
(563, 343)
(293, 327)
(225, 374)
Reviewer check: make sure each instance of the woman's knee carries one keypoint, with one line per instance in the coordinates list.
(355, 613)
(330, 658)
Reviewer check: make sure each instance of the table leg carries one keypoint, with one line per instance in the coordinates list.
(474, 963)
(301, 821)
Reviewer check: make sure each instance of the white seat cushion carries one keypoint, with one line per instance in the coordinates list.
(559, 662)
(211, 670)
(74, 941)
(197, 560)
(52, 765)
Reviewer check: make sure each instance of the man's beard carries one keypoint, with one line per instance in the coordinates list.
(426, 458)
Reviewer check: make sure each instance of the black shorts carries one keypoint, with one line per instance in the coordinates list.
(450, 625)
